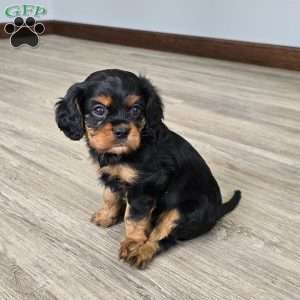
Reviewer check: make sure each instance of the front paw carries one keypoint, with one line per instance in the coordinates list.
(127, 247)
(143, 255)
(138, 254)
(103, 218)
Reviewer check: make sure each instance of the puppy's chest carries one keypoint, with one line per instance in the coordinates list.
(122, 173)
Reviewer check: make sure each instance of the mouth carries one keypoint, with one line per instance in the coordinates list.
(120, 142)
(119, 148)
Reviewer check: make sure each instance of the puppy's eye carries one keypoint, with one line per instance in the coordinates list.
(99, 110)
(135, 111)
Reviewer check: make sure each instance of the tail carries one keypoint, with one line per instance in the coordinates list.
(231, 204)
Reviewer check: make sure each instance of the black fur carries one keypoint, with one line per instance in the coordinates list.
(68, 114)
(171, 172)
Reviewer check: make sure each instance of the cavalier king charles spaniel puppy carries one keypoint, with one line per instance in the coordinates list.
(153, 178)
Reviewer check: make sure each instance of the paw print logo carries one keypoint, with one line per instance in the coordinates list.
(24, 33)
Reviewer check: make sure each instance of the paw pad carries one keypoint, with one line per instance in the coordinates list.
(24, 32)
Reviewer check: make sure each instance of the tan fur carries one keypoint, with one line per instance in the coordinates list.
(134, 138)
(166, 223)
(101, 139)
(142, 254)
(131, 100)
(122, 171)
(136, 230)
(136, 234)
(110, 213)
(107, 101)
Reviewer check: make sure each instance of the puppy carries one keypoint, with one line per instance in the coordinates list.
(153, 178)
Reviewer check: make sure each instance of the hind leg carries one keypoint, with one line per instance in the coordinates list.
(190, 219)
(199, 215)
(160, 236)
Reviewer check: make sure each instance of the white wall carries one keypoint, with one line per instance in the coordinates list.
(264, 21)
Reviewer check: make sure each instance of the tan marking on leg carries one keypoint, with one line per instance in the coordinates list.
(122, 171)
(136, 233)
(141, 256)
(111, 211)
(105, 100)
(166, 223)
(136, 230)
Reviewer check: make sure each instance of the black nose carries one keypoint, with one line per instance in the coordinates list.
(121, 132)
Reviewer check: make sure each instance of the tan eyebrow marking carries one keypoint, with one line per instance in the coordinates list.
(105, 100)
(131, 99)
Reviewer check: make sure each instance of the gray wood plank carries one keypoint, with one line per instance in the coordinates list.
(245, 121)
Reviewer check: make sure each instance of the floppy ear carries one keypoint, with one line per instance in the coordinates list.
(68, 114)
(154, 105)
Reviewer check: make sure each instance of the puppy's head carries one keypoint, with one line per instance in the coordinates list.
(111, 108)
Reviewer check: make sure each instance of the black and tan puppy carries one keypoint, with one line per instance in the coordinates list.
(169, 192)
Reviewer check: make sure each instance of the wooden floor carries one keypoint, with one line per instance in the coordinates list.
(245, 121)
